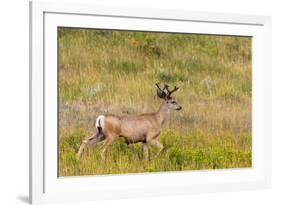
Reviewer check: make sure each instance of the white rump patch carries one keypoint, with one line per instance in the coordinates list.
(100, 121)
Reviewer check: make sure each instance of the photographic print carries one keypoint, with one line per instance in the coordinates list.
(139, 101)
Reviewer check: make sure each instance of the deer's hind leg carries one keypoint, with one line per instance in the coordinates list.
(97, 137)
(107, 142)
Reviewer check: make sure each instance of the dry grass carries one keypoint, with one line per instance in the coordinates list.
(115, 72)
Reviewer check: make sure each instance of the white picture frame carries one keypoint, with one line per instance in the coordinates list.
(46, 187)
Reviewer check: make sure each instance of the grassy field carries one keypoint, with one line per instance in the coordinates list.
(115, 72)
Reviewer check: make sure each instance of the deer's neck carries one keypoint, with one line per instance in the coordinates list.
(162, 112)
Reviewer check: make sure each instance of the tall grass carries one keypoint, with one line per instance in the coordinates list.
(115, 72)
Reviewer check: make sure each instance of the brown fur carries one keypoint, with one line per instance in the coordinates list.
(143, 128)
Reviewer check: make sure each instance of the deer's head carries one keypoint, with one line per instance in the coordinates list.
(166, 95)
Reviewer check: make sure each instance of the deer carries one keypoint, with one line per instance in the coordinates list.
(139, 128)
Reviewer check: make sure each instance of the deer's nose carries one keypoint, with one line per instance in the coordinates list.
(179, 108)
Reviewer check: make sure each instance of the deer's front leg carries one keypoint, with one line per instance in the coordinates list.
(145, 150)
(156, 143)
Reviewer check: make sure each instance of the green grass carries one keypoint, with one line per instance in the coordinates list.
(115, 72)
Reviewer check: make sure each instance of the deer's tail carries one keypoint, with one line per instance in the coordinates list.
(100, 123)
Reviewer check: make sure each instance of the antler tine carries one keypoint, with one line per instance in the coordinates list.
(161, 92)
(171, 92)
(157, 84)
(166, 86)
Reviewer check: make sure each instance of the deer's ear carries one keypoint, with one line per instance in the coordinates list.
(161, 94)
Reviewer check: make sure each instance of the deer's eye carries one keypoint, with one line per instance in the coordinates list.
(173, 102)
